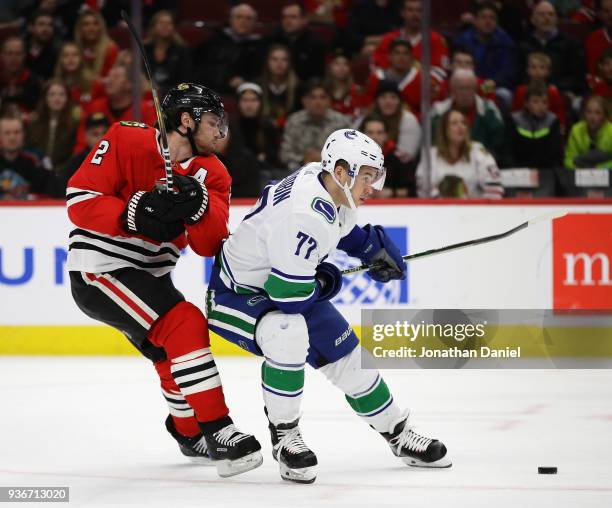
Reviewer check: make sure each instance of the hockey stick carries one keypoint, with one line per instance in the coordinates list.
(469, 243)
(158, 111)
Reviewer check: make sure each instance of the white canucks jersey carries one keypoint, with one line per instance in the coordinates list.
(282, 239)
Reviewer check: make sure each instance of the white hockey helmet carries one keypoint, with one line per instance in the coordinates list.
(357, 150)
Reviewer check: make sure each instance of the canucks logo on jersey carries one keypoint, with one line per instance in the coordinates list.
(360, 289)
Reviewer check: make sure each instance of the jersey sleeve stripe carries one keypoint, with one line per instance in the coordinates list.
(281, 290)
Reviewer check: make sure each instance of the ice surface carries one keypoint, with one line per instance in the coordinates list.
(96, 425)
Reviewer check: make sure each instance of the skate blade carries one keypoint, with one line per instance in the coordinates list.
(302, 475)
(442, 463)
(202, 461)
(226, 468)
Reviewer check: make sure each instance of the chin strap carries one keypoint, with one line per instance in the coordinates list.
(347, 191)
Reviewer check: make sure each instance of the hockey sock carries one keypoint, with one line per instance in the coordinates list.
(183, 333)
(180, 410)
(282, 390)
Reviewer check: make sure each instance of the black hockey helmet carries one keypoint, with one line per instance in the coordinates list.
(195, 100)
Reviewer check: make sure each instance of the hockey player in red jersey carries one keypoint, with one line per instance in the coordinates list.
(128, 236)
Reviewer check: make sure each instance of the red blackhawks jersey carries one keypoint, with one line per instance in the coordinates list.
(128, 159)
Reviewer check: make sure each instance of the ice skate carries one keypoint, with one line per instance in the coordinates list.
(297, 462)
(233, 452)
(194, 448)
(415, 450)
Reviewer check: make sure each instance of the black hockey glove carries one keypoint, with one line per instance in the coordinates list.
(330, 280)
(386, 259)
(190, 203)
(142, 215)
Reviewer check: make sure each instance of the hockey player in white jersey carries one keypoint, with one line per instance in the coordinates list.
(270, 290)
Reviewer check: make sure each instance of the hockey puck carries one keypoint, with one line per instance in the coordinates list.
(547, 470)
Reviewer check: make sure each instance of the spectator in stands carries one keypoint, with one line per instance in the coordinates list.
(601, 83)
(590, 141)
(511, 15)
(403, 72)
(234, 55)
(369, 20)
(402, 126)
(307, 50)
(71, 70)
(347, 96)
(400, 180)
(333, 12)
(52, 128)
(460, 167)
(306, 130)
(41, 44)
(566, 56)
(535, 132)
(19, 87)
(98, 50)
(494, 51)
(280, 85)
(168, 55)
(20, 172)
(411, 31)
(462, 58)
(482, 116)
(257, 132)
(117, 104)
(96, 126)
(601, 39)
(538, 71)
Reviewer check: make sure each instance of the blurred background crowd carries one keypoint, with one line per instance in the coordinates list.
(510, 84)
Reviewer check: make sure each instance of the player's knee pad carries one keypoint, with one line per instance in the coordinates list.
(348, 375)
(282, 337)
(181, 330)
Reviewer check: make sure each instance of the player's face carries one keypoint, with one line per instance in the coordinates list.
(207, 135)
(70, 58)
(362, 188)
(56, 97)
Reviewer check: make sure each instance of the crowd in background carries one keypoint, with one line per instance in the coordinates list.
(513, 84)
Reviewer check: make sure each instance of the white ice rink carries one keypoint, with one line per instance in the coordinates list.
(96, 425)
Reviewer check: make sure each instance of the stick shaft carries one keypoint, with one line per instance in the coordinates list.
(160, 117)
(448, 248)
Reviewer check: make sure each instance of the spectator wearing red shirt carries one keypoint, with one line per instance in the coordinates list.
(99, 51)
(19, 87)
(403, 72)
(411, 31)
(462, 58)
(601, 39)
(117, 105)
(601, 83)
(347, 96)
(538, 71)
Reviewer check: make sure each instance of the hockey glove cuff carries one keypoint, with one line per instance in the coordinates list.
(329, 278)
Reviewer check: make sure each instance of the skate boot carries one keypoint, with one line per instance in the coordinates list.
(194, 448)
(415, 450)
(295, 460)
(233, 452)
